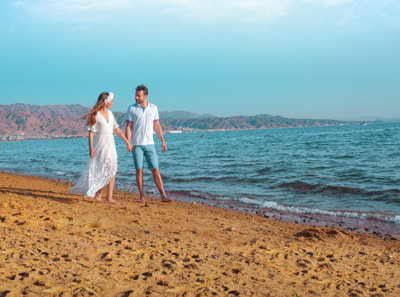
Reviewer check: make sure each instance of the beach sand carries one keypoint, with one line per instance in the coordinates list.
(56, 244)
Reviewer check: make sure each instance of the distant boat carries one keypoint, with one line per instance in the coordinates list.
(175, 131)
(363, 124)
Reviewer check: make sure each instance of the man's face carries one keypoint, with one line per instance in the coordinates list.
(140, 97)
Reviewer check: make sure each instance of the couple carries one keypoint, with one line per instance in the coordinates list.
(101, 169)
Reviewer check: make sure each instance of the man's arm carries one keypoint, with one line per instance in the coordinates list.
(129, 146)
(158, 129)
(128, 130)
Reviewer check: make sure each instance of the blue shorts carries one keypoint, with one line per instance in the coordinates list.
(149, 152)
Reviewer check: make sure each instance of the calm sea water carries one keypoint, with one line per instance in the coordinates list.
(341, 171)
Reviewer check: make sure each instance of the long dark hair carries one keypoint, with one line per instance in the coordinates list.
(91, 115)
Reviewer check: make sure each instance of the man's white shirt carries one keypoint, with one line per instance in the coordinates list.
(143, 123)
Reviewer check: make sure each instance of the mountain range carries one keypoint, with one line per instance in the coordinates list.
(33, 121)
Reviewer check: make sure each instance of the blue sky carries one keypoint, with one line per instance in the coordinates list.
(297, 58)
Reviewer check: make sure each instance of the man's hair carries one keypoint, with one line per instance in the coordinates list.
(142, 88)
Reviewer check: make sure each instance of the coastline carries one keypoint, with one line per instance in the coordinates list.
(57, 244)
(18, 138)
(367, 225)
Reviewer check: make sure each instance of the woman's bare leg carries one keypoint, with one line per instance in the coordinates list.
(98, 194)
(110, 190)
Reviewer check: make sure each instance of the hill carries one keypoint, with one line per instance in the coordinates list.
(20, 121)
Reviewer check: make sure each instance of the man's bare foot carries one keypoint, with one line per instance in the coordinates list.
(142, 200)
(166, 199)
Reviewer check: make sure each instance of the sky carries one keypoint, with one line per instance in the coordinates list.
(336, 59)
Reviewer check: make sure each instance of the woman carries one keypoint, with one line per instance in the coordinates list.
(101, 169)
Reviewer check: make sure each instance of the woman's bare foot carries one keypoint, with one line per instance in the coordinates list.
(112, 201)
(99, 193)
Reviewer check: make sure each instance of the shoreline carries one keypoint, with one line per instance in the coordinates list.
(365, 225)
(57, 244)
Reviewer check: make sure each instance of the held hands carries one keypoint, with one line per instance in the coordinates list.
(129, 147)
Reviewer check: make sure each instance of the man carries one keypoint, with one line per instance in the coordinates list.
(142, 119)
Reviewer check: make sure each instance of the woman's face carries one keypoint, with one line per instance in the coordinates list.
(109, 104)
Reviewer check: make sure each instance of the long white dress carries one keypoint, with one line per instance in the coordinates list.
(100, 170)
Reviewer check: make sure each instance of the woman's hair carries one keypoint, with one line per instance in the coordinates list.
(91, 115)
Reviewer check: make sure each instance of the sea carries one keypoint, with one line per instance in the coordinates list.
(346, 176)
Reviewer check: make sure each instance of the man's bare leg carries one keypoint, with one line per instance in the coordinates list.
(139, 183)
(110, 190)
(158, 181)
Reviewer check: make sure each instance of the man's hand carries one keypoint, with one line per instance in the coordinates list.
(129, 147)
(164, 147)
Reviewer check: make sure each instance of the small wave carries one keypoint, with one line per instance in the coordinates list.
(264, 170)
(334, 190)
(59, 172)
(391, 196)
(396, 219)
(225, 179)
(296, 186)
(320, 168)
(344, 157)
(187, 180)
(304, 210)
(193, 194)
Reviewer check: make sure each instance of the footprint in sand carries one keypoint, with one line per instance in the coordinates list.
(39, 283)
(23, 275)
(147, 275)
(162, 283)
(168, 264)
(106, 257)
(4, 293)
(127, 293)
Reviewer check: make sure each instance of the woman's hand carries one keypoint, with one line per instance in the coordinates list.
(129, 147)
(91, 153)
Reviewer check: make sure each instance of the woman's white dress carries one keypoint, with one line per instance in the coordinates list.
(100, 170)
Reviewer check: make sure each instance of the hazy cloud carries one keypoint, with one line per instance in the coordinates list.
(240, 11)
(250, 10)
(329, 2)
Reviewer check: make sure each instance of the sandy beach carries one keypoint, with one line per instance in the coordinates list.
(56, 244)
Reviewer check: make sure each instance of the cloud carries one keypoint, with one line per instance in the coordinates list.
(74, 10)
(76, 5)
(205, 10)
(329, 2)
(346, 12)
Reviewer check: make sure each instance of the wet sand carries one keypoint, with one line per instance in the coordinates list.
(56, 244)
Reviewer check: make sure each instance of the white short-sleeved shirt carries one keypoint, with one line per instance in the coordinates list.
(143, 123)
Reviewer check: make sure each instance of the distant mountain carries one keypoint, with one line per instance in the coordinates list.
(179, 114)
(34, 120)
(30, 121)
(263, 121)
